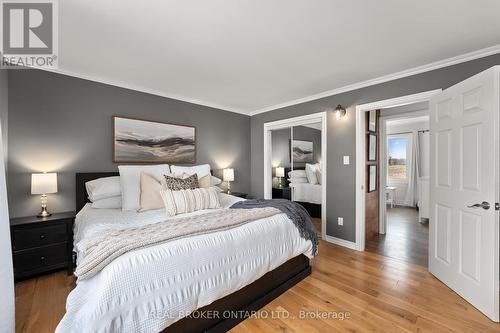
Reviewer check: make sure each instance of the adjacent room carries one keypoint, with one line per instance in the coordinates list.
(404, 182)
(249, 166)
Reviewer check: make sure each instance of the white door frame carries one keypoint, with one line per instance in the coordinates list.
(382, 145)
(361, 155)
(319, 117)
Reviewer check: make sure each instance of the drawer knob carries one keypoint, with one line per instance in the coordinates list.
(42, 236)
(42, 258)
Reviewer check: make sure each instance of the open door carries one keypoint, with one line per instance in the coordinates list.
(464, 190)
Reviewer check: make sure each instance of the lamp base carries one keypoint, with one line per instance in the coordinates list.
(44, 213)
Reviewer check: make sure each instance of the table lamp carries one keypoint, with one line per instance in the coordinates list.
(280, 172)
(44, 183)
(228, 176)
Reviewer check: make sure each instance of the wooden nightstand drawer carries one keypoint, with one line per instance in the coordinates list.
(41, 245)
(39, 236)
(42, 257)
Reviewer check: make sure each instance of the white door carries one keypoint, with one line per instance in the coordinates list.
(464, 181)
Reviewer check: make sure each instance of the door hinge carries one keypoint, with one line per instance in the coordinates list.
(497, 206)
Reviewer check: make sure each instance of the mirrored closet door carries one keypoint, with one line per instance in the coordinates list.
(296, 164)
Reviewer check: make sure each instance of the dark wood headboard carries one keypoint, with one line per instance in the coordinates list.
(81, 192)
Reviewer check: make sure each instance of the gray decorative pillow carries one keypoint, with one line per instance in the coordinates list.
(177, 184)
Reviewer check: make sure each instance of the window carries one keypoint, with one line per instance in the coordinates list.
(397, 154)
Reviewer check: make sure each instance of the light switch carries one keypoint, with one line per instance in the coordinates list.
(340, 221)
(346, 160)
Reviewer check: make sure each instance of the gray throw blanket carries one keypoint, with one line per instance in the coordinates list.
(295, 212)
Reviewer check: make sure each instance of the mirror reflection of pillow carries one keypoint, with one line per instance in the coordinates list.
(311, 173)
(297, 173)
(298, 180)
(318, 176)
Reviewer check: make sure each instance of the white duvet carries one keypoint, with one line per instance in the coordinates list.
(306, 192)
(149, 289)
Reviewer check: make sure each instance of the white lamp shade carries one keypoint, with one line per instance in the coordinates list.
(280, 172)
(228, 175)
(43, 183)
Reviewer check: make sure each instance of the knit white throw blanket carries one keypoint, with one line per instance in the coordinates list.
(103, 248)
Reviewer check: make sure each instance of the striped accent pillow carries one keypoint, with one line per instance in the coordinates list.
(187, 201)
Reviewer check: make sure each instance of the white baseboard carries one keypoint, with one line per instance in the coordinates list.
(341, 242)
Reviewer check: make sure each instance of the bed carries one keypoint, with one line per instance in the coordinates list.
(153, 289)
(306, 194)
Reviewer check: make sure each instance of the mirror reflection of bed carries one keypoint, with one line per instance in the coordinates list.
(296, 161)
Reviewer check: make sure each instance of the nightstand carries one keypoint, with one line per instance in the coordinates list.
(40, 245)
(282, 193)
(237, 194)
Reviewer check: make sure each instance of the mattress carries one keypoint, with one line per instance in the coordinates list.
(306, 192)
(148, 289)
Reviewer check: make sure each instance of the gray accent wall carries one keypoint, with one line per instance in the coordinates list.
(341, 134)
(64, 124)
(4, 109)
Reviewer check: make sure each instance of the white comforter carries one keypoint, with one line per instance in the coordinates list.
(306, 192)
(147, 290)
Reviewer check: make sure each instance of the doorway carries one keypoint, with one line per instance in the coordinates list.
(295, 163)
(463, 186)
(362, 140)
(403, 231)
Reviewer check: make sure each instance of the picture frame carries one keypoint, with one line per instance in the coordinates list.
(301, 151)
(372, 147)
(372, 178)
(145, 141)
(372, 121)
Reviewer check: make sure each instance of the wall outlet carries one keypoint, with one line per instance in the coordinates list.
(340, 221)
(346, 160)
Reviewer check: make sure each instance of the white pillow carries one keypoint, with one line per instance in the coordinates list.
(311, 173)
(200, 170)
(297, 173)
(214, 181)
(297, 180)
(130, 179)
(108, 203)
(187, 201)
(103, 188)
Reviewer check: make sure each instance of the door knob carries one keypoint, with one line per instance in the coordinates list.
(484, 205)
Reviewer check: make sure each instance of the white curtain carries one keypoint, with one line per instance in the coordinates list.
(7, 318)
(411, 197)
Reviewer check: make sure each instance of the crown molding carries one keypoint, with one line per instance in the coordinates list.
(386, 78)
(144, 90)
(382, 79)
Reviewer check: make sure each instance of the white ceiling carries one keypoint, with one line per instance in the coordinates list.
(253, 55)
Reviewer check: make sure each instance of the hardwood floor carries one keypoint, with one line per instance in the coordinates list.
(378, 293)
(406, 238)
(317, 224)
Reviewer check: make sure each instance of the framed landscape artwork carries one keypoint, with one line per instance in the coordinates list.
(142, 141)
(302, 151)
